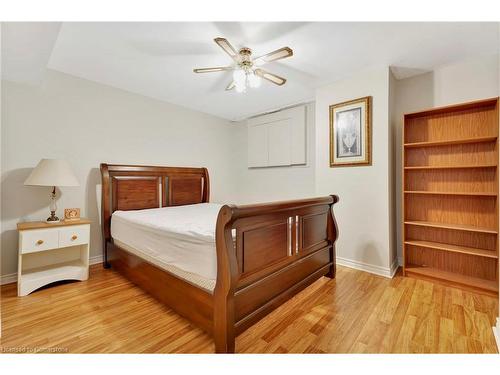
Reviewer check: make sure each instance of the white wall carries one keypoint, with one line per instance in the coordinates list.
(461, 82)
(88, 123)
(363, 212)
(275, 183)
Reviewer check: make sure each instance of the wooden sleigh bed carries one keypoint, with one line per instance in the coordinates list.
(279, 248)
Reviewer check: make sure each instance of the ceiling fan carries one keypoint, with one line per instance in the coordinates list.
(247, 71)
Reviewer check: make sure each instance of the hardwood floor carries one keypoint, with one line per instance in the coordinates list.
(355, 313)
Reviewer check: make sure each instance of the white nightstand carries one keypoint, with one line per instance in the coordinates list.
(52, 252)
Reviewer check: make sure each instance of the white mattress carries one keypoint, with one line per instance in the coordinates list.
(174, 238)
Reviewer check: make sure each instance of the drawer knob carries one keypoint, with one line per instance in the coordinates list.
(74, 237)
(39, 242)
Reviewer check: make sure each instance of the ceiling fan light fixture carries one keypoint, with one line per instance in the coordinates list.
(240, 88)
(239, 77)
(254, 80)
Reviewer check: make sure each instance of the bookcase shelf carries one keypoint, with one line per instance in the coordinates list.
(476, 283)
(450, 201)
(467, 228)
(453, 248)
(471, 193)
(451, 166)
(451, 142)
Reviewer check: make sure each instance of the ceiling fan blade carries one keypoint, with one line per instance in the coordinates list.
(230, 86)
(280, 81)
(215, 69)
(279, 54)
(227, 47)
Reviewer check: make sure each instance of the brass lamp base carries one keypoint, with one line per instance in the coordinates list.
(52, 219)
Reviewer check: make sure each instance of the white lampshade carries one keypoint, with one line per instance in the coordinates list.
(52, 172)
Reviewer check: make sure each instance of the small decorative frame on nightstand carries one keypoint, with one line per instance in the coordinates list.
(52, 252)
(71, 214)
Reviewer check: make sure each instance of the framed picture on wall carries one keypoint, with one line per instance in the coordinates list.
(350, 133)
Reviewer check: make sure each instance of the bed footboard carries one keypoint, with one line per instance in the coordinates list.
(279, 249)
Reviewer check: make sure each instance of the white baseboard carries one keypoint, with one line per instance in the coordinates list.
(8, 279)
(377, 270)
(12, 277)
(96, 259)
(394, 266)
(496, 333)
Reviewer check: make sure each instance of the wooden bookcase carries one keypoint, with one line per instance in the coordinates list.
(450, 195)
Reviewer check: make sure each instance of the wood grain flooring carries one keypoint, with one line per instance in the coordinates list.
(355, 313)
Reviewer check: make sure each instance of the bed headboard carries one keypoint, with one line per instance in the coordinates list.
(136, 187)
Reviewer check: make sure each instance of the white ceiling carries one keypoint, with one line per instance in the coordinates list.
(26, 50)
(156, 59)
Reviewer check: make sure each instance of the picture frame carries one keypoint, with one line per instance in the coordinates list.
(350, 133)
(71, 214)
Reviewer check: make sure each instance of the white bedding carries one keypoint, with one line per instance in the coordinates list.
(180, 237)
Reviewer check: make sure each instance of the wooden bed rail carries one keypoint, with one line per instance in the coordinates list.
(279, 249)
(273, 207)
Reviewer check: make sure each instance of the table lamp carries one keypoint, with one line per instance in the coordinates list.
(52, 172)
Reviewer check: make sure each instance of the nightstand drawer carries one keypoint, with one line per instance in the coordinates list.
(38, 240)
(74, 235)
